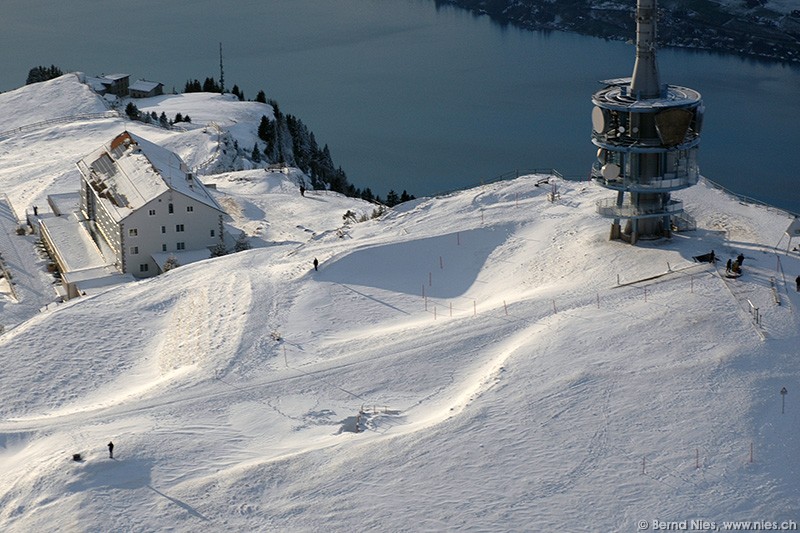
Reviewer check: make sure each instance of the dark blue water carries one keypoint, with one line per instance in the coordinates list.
(411, 97)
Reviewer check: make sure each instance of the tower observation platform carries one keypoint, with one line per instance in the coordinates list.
(647, 137)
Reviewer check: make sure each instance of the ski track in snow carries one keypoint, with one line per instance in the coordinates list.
(506, 365)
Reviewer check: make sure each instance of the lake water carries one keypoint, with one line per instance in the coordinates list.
(408, 96)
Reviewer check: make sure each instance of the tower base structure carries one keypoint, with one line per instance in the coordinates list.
(646, 149)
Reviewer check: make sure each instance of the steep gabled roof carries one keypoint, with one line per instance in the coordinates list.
(131, 171)
(144, 85)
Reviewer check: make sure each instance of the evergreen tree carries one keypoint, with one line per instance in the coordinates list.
(242, 243)
(392, 199)
(261, 97)
(238, 93)
(338, 181)
(40, 73)
(187, 118)
(171, 263)
(405, 197)
(218, 250)
(193, 86)
(163, 120)
(366, 194)
(268, 133)
(132, 111)
(178, 117)
(255, 155)
(263, 128)
(211, 86)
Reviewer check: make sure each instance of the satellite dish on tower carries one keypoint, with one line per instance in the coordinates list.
(599, 120)
(610, 171)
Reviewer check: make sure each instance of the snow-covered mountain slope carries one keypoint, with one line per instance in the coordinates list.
(507, 367)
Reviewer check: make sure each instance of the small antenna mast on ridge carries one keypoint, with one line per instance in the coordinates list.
(221, 71)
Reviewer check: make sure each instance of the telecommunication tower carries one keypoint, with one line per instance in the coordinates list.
(647, 136)
(221, 71)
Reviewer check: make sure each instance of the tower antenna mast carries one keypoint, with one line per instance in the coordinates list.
(221, 71)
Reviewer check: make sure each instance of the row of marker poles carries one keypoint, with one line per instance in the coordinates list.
(696, 458)
(505, 304)
(474, 310)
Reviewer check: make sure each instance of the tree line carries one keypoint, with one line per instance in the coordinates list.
(286, 140)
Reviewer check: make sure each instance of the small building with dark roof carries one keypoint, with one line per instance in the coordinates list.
(145, 89)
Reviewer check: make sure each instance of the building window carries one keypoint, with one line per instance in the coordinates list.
(163, 247)
(152, 212)
(144, 267)
(134, 250)
(189, 208)
(181, 246)
(170, 209)
(212, 232)
(163, 229)
(133, 232)
(178, 227)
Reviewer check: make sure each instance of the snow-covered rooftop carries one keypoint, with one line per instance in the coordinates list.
(76, 249)
(131, 171)
(144, 85)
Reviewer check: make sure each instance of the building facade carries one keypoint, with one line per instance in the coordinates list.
(141, 203)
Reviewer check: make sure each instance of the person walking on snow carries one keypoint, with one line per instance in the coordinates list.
(798, 283)
(728, 266)
(110, 450)
(316, 264)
